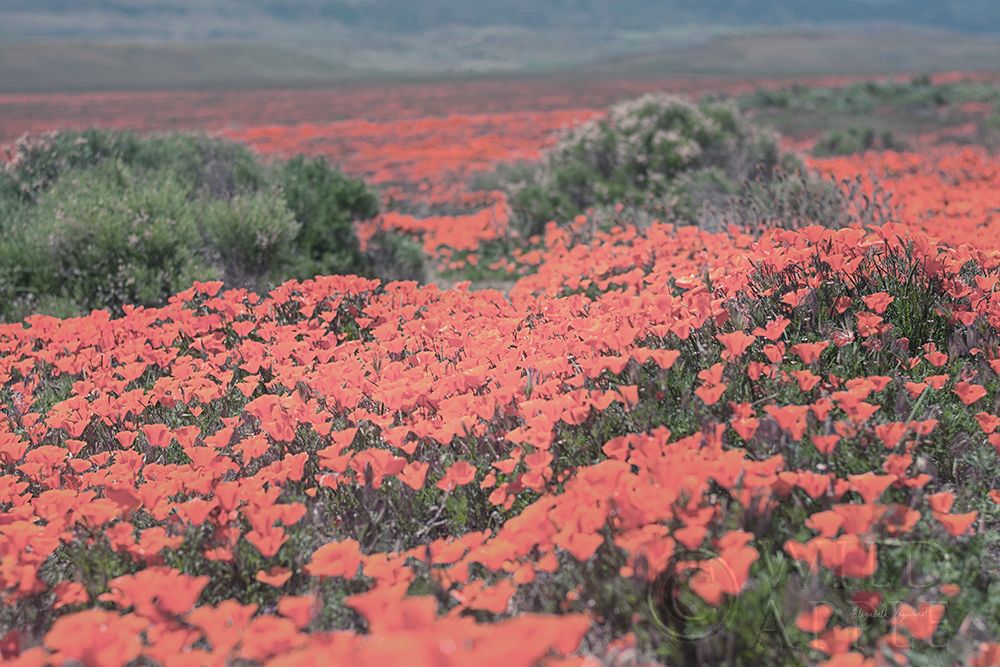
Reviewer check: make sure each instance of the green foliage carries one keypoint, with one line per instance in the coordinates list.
(856, 140)
(101, 236)
(658, 153)
(326, 203)
(253, 234)
(795, 199)
(208, 166)
(393, 256)
(39, 161)
(877, 114)
(99, 219)
(869, 96)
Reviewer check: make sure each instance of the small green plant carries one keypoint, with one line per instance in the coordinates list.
(857, 140)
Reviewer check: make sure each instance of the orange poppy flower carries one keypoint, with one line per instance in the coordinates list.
(336, 559)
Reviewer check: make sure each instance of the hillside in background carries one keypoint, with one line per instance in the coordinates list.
(127, 44)
(75, 65)
(268, 18)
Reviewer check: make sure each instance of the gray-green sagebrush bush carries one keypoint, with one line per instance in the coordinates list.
(660, 154)
(100, 219)
(100, 236)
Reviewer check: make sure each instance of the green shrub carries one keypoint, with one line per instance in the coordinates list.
(917, 94)
(796, 199)
(209, 166)
(326, 203)
(101, 219)
(876, 114)
(101, 237)
(213, 168)
(253, 235)
(659, 153)
(39, 160)
(856, 140)
(11, 206)
(394, 256)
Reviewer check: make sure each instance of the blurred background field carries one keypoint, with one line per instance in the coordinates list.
(60, 45)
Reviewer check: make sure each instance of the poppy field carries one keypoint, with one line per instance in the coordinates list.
(656, 444)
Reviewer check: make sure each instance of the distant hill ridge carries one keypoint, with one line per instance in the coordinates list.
(260, 18)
